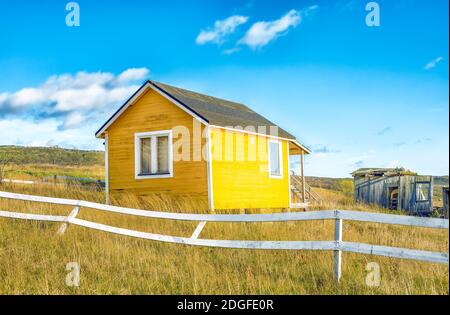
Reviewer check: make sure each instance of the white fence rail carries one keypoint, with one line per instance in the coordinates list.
(337, 245)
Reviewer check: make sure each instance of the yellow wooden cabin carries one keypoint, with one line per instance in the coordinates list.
(173, 142)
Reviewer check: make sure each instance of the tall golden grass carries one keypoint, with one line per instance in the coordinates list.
(33, 257)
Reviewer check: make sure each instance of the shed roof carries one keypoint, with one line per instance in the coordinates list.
(212, 110)
(379, 171)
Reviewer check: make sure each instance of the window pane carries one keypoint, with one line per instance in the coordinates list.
(146, 150)
(422, 191)
(163, 154)
(274, 156)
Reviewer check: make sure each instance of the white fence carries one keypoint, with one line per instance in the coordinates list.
(337, 245)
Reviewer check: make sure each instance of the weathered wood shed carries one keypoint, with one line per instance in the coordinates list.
(395, 189)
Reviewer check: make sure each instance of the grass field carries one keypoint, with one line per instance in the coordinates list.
(33, 257)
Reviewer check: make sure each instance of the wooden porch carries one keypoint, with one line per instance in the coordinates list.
(302, 195)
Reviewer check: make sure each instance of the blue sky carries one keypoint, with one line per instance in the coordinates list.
(359, 96)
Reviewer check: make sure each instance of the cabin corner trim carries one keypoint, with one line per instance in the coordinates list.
(209, 170)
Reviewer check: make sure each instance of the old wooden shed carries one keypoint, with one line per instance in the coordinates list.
(395, 189)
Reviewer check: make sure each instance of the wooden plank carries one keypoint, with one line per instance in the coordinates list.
(287, 245)
(31, 216)
(72, 214)
(268, 217)
(396, 252)
(58, 201)
(198, 230)
(392, 219)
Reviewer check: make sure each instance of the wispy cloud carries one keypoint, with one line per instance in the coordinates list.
(422, 140)
(358, 164)
(433, 63)
(322, 150)
(399, 144)
(261, 33)
(72, 98)
(230, 51)
(221, 29)
(384, 131)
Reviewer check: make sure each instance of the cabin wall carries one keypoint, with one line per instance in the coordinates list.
(376, 191)
(240, 176)
(152, 112)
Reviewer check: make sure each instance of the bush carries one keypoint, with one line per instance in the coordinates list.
(346, 186)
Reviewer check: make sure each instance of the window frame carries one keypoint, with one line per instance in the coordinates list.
(280, 158)
(137, 154)
(428, 184)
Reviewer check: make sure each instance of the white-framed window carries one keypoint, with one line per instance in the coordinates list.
(275, 157)
(153, 154)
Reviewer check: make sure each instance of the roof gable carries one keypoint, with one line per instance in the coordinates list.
(207, 109)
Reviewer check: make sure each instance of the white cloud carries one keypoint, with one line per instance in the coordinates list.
(262, 32)
(72, 97)
(27, 96)
(47, 133)
(133, 74)
(230, 51)
(73, 119)
(433, 63)
(221, 29)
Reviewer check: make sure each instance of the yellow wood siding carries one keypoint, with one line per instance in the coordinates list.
(152, 112)
(240, 173)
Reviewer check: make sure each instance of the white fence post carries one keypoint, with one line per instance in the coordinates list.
(72, 214)
(338, 253)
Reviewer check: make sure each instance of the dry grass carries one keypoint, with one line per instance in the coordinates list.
(33, 258)
(45, 171)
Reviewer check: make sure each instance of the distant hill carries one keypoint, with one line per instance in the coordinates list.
(324, 182)
(50, 155)
(440, 180)
(61, 156)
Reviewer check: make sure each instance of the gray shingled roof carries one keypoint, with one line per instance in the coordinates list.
(381, 171)
(218, 111)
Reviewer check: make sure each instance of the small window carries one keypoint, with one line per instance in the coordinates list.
(153, 152)
(275, 158)
(422, 191)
